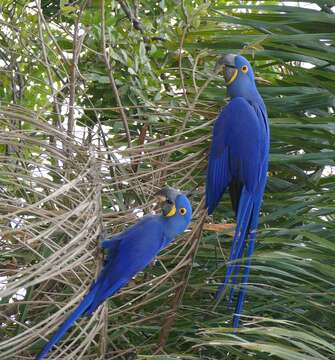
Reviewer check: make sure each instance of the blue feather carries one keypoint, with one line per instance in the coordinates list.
(67, 324)
(239, 240)
(239, 159)
(128, 253)
(244, 281)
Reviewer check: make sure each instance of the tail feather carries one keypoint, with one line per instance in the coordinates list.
(240, 252)
(101, 289)
(103, 293)
(247, 220)
(243, 291)
(235, 274)
(240, 236)
(86, 302)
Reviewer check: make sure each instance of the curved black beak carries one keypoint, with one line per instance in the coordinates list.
(167, 198)
(227, 64)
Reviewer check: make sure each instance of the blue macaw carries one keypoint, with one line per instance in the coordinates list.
(130, 252)
(239, 160)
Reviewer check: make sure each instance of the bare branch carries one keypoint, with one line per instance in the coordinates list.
(110, 74)
(77, 45)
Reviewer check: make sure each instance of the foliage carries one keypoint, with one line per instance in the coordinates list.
(104, 102)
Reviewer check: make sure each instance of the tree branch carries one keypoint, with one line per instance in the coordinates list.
(77, 45)
(138, 25)
(195, 240)
(111, 76)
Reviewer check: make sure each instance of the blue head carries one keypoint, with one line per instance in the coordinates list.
(239, 76)
(176, 210)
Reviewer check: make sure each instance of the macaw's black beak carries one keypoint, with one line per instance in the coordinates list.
(167, 198)
(227, 64)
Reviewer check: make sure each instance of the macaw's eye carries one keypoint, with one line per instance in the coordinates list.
(182, 211)
(244, 69)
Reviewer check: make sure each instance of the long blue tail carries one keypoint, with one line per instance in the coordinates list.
(245, 277)
(86, 302)
(247, 218)
(239, 240)
(99, 291)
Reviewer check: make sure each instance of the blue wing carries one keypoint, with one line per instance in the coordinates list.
(128, 253)
(236, 151)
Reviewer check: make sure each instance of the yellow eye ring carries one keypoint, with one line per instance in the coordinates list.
(182, 211)
(244, 69)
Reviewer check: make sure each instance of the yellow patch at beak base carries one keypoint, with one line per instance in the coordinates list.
(232, 78)
(171, 212)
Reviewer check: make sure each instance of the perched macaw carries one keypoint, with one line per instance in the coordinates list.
(130, 252)
(239, 160)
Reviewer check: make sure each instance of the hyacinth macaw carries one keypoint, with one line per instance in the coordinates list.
(130, 252)
(239, 160)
